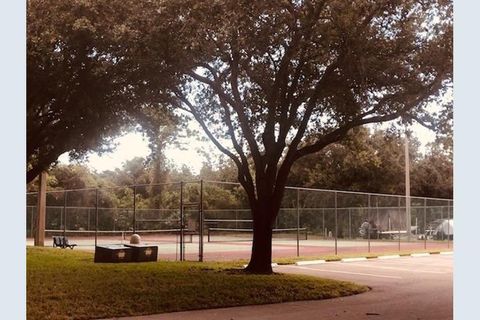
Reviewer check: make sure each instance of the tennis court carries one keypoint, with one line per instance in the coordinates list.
(226, 248)
(208, 220)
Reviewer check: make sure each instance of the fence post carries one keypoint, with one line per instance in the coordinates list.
(65, 213)
(336, 224)
(416, 225)
(349, 223)
(441, 218)
(378, 220)
(200, 224)
(96, 215)
(448, 221)
(181, 222)
(399, 234)
(298, 222)
(323, 224)
(369, 225)
(134, 209)
(424, 223)
(32, 223)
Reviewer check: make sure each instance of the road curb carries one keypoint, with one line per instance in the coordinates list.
(306, 263)
(424, 254)
(353, 259)
(393, 256)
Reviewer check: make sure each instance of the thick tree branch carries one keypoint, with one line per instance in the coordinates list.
(236, 145)
(242, 118)
(244, 175)
(340, 132)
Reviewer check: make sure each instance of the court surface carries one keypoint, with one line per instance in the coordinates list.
(228, 249)
(417, 288)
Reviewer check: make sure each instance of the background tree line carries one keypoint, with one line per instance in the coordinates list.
(367, 161)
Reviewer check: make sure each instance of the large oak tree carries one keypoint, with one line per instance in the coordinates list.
(273, 81)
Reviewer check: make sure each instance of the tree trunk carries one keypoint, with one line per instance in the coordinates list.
(261, 258)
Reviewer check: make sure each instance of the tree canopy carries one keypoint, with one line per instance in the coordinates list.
(273, 81)
(81, 91)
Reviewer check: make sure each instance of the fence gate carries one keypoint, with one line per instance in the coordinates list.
(191, 221)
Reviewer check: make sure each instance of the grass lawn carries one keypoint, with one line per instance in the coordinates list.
(66, 284)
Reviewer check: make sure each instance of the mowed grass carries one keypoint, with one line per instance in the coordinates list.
(66, 284)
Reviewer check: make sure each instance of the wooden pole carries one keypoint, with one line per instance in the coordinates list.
(39, 239)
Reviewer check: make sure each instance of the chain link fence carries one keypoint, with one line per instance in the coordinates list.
(212, 220)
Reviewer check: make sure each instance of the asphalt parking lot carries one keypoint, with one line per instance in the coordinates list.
(417, 288)
(402, 288)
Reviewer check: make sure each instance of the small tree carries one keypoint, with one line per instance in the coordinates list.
(273, 81)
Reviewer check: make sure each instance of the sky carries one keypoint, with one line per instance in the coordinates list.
(133, 144)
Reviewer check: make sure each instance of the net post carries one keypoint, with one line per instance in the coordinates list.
(336, 223)
(298, 222)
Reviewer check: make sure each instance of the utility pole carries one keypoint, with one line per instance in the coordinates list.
(407, 187)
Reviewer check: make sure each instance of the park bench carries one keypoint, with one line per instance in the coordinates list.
(62, 242)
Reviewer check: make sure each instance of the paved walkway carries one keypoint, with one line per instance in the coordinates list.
(417, 288)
